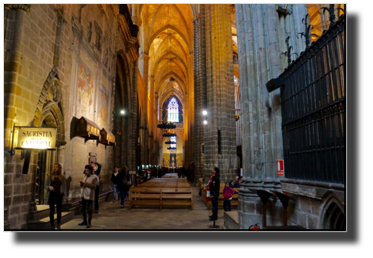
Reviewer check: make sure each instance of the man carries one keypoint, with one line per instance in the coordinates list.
(214, 187)
(88, 185)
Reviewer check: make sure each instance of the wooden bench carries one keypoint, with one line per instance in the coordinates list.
(151, 196)
(144, 196)
(177, 197)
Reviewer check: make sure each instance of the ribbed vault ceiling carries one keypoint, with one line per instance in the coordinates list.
(168, 41)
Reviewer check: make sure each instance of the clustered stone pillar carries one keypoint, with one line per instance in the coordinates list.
(144, 116)
(199, 70)
(261, 33)
(133, 123)
(220, 130)
(152, 127)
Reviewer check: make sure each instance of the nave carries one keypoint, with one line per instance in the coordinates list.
(111, 217)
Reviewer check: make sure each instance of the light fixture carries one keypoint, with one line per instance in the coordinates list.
(204, 112)
(122, 112)
(205, 122)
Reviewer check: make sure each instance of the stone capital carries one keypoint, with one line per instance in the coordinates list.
(196, 18)
(144, 56)
(136, 20)
(21, 7)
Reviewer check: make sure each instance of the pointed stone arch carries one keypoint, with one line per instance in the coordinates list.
(177, 77)
(171, 53)
(122, 100)
(332, 215)
(168, 26)
(171, 62)
(48, 106)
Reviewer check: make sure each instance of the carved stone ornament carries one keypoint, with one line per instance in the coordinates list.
(51, 92)
(89, 36)
(22, 7)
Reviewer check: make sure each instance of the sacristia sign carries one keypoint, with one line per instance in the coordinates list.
(36, 138)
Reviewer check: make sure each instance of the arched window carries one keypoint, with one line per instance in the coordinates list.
(173, 111)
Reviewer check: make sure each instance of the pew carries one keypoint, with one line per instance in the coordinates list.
(155, 196)
(144, 196)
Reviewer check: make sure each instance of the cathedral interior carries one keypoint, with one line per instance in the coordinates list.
(257, 90)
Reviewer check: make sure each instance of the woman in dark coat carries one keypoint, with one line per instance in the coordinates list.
(123, 185)
(56, 188)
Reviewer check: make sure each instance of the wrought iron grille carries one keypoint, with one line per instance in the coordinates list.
(314, 110)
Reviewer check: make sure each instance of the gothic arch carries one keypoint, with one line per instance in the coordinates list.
(169, 26)
(122, 100)
(171, 62)
(164, 106)
(48, 106)
(170, 53)
(177, 78)
(167, 96)
(332, 215)
(123, 72)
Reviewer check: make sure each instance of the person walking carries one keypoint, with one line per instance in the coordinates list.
(213, 188)
(56, 188)
(124, 183)
(228, 192)
(96, 171)
(88, 186)
(115, 181)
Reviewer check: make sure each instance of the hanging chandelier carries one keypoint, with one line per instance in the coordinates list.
(166, 125)
(168, 133)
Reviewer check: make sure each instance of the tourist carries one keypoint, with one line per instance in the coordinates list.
(236, 183)
(88, 186)
(213, 188)
(56, 188)
(228, 192)
(124, 183)
(114, 181)
(96, 171)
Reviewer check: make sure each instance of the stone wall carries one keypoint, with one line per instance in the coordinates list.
(59, 66)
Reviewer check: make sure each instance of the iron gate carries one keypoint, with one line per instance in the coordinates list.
(314, 110)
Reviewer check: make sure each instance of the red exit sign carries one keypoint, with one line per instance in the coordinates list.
(280, 167)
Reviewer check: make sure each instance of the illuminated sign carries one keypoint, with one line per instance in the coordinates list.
(36, 138)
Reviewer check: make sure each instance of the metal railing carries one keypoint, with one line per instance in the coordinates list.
(313, 103)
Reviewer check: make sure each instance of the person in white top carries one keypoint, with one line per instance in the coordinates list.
(88, 186)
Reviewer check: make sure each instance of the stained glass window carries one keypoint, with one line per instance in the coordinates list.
(173, 111)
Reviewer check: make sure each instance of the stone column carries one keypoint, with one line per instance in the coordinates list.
(133, 117)
(220, 131)
(144, 68)
(152, 127)
(14, 21)
(189, 99)
(261, 35)
(199, 71)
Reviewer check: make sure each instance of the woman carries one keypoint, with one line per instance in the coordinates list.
(56, 188)
(123, 185)
(114, 180)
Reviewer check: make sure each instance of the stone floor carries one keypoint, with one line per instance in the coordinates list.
(112, 217)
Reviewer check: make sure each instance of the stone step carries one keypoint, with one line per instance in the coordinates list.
(44, 223)
(42, 211)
